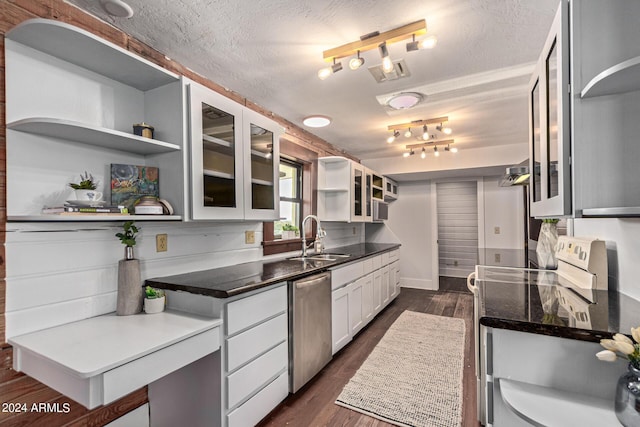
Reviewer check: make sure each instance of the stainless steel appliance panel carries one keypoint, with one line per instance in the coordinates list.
(309, 328)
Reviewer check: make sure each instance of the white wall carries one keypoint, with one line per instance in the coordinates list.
(411, 222)
(623, 246)
(503, 208)
(60, 273)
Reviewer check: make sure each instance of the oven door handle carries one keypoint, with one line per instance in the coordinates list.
(472, 288)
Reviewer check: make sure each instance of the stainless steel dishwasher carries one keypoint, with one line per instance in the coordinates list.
(309, 328)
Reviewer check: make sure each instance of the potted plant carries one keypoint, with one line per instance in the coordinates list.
(289, 231)
(129, 299)
(85, 190)
(154, 300)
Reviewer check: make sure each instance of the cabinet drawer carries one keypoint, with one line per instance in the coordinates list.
(250, 344)
(376, 263)
(347, 274)
(367, 266)
(394, 255)
(385, 258)
(256, 408)
(250, 378)
(252, 310)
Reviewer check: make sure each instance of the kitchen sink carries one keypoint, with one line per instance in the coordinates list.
(320, 257)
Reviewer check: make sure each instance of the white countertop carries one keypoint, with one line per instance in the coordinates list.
(93, 346)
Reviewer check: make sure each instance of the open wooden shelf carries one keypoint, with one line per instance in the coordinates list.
(91, 217)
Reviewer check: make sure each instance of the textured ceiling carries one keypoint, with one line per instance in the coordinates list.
(270, 51)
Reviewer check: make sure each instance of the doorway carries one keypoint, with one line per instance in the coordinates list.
(457, 212)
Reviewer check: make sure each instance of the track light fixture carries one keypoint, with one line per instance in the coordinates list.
(435, 144)
(417, 124)
(446, 130)
(355, 63)
(426, 43)
(377, 40)
(396, 133)
(325, 72)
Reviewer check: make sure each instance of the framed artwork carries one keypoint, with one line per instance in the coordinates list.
(130, 182)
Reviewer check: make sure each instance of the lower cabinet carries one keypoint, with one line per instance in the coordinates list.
(256, 353)
(360, 290)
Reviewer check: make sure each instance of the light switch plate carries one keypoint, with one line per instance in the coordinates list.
(496, 230)
(249, 237)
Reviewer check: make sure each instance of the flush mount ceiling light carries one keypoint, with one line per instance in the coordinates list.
(435, 144)
(377, 40)
(117, 8)
(416, 124)
(316, 121)
(404, 100)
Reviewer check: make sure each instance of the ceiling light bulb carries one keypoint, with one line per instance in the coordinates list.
(447, 131)
(396, 133)
(406, 154)
(425, 132)
(323, 73)
(357, 62)
(267, 155)
(436, 152)
(408, 133)
(454, 150)
(423, 154)
(428, 42)
(387, 64)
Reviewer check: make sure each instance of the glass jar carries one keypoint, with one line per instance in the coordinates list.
(628, 398)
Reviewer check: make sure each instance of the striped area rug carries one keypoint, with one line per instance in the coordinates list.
(413, 377)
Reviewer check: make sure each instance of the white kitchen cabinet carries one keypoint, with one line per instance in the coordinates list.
(356, 309)
(253, 370)
(377, 186)
(345, 190)
(377, 291)
(234, 159)
(340, 325)
(72, 99)
(549, 123)
(360, 290)
(390, 190)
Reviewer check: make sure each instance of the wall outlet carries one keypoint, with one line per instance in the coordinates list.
(354, 231)
(496, 230)
(497, 257)
(249, 237)
(161, 242)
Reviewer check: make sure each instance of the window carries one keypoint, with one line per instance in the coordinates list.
(290, 200)
(298, 170)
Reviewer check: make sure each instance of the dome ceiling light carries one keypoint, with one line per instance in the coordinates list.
(316, 121)
(117, 8)
(405, 100)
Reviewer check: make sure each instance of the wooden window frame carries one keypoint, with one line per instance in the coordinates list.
(309, 161)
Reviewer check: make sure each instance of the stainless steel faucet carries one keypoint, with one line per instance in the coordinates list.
(320, 233)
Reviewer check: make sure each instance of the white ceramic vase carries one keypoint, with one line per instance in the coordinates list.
(546, 249)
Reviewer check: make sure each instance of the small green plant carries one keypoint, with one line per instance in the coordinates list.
(128, 238)
(152, 293)
(551, 220)
(289, 227)
(86, 182)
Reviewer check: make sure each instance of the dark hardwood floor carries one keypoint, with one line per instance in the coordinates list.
(314, 404)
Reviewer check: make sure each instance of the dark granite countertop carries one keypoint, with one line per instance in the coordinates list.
(533, 301)
(225, 282)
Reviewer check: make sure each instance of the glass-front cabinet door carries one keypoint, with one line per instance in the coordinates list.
(549, 136)
(216, 155)
(357, 192)
(262, 164)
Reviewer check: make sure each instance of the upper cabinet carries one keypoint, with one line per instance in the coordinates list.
(606, 105)
(234, 159)
(549, 124)
(347, 190)
(71, 102)
(390, 190)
